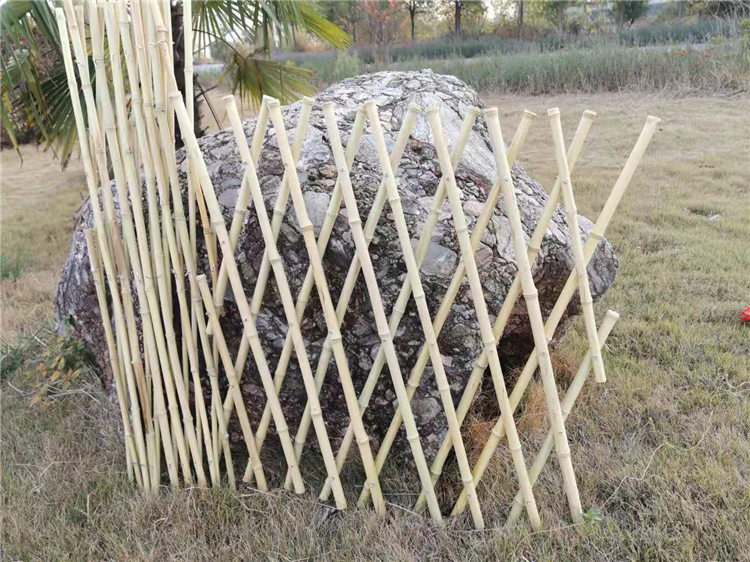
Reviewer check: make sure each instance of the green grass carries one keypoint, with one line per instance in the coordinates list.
(660, 450)
(604, 69)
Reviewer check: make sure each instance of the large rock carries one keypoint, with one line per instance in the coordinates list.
(418, 178)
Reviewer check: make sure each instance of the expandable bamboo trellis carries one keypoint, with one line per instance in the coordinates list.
(151, 252)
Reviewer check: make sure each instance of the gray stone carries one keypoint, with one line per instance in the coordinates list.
(459, 342)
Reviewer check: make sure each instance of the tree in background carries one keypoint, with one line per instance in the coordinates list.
(628, 11)
(34, 86)
(344, 13)
(413, 8)
(555, 12)
(383, 24)
(465, 16)
(519, 11)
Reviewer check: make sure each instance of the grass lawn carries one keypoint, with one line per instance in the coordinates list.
(662, 450)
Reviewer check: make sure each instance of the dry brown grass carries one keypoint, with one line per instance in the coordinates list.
(661, 450)
(37, 203)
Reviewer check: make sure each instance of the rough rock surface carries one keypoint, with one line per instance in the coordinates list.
(418, 176)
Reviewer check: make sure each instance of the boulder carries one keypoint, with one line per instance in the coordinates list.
(418, 177)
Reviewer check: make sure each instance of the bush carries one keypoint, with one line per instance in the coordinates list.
(347, 64)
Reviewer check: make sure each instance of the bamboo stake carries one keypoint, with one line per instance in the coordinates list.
(101, 232)
(307, 285)
(534, 245)
(187, 40)
(400, 305)
(221, 428)
(181, 229)
(101, 295)
(445, 306)
(531, 297)
(142, 105)
(329, 312)
(287, 300)
(407, 125)
(143, 262)
(571, 215)
(381, 321)
(243, 195)
(234, 388)
(596, 236)
(567, 404)
(483, 318)
(217, 221)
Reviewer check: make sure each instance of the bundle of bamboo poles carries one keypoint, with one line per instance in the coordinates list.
(170, 424)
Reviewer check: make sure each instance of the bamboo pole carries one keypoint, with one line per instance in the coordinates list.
(234, 387)
(571, 215)
(287, 300)
(511, 298)
(329, 312)
(243, 195)
(122, 399)
(483, 318)
(407, 125)
(400, 305)
(531, 297)
(567, 404)
(171, 341)
(101, 232)
(596, 236)
(307, 285)
(143, 261)
(221, 434)
(165, 337)
(180, 223)
(445, 306)
(138, 74)
(381, 321)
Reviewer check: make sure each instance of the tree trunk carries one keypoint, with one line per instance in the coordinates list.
(560, 13)
(412, 16)
(458, 4)
(520, 20)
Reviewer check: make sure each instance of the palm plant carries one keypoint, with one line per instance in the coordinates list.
(35, 98)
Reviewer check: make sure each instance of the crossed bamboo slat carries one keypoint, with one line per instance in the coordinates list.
(282, 284)
(565, 296)
(514, 293)
(399, 307)
(531, 298)
(417, 371)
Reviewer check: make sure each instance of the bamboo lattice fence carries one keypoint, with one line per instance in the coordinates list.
(147, 257)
